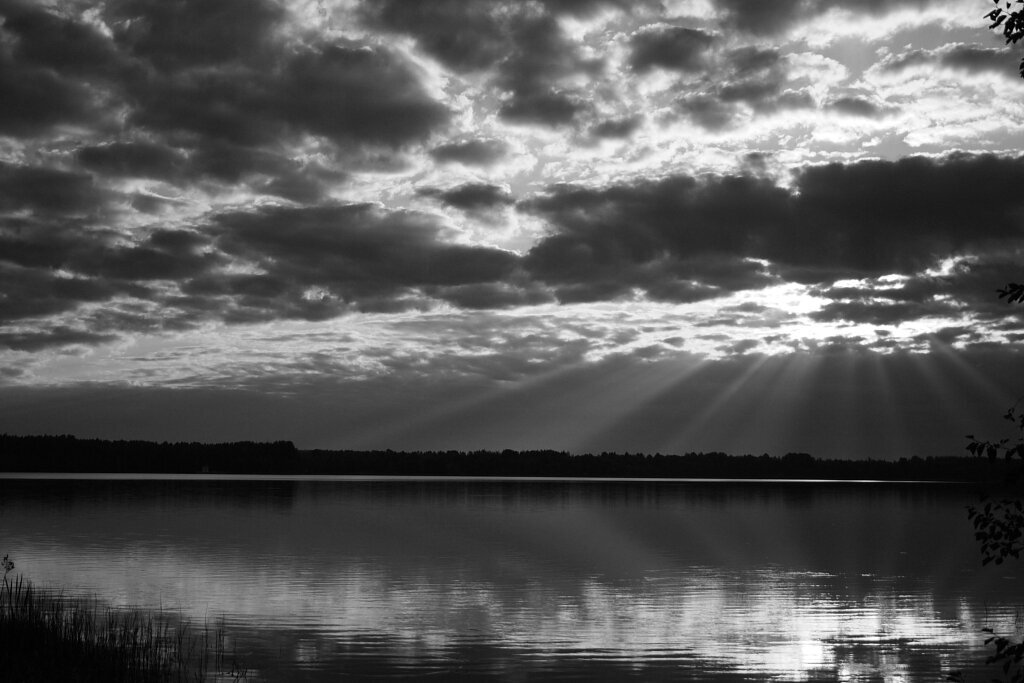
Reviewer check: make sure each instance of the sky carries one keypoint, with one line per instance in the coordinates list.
(585, 225)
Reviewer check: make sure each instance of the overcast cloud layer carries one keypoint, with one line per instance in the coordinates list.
(393, 208)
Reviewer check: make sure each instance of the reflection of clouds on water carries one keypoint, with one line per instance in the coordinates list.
(777, 583)
(760, 621)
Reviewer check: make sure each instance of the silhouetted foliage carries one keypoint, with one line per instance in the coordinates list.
(1012, 292)
(999, 524)
(46, 636)
(1010, 22)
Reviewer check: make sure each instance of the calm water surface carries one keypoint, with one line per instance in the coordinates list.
(322, 580)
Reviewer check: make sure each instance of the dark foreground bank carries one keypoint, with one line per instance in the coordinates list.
(70, 454)
(45, 636)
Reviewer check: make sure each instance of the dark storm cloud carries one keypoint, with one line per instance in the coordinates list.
(751, 60)
(164, 255)
(50, 70)
(57, 336)
(351, 94)
(33, 293)
(975, 59)
(133, 159)
(471, 152)
(874, 216)
(56, 255)
(766, 17)
(616, 128)
(47, 191)
(357, 93)
(60, 242)
(35, 99)
(546, 107)
(855, 106)
(481, 41)
(949, 335)
(677, 238)
(232, 162)
(758, 77)
(707, 111)
(322, 261)
(863, 219)
(752, 76)
(523, 45)
(212, 90)
(970, 58)
(968, 286)
(45, 39)
(670, 47)
(177, 35)
(880, 313)
(471, 196)
(759, 17)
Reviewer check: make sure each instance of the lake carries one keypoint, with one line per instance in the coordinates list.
(324, 579)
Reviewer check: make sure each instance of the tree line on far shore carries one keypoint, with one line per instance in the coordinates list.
(70, 454)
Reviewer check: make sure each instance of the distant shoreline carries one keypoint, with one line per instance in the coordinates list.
(371, 478)
(42, 456)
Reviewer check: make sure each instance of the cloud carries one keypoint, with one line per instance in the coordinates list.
(36, 99)
(901, 216)
(855, 106)
(546, 107)
(776, 16)
(616, 128)
(192, 91)
(971, 58)
(357, 93)
(481, 41)
(133, 160)
(707, 111)
(351, 94)
(481, 152)
(323, 261)
(57, 336)
(670, 47)
(863, 219)
(53, 70)
(164, 255)
(31, 293)
(192, 33)
(678, 239)
(879, 313)
(965, 287)
(43, 190)
(759, 17)
(748, 78)
(524, 51)
(975, 59)
(55, 41)
(471, 196)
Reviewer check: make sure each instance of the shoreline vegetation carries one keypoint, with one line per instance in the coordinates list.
(68, 454)
(47, 636)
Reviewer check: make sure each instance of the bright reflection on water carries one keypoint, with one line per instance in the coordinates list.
(527, 580)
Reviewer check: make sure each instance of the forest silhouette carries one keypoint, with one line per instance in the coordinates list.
(70, 454)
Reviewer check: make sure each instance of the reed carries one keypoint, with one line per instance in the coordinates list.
(47, 636)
